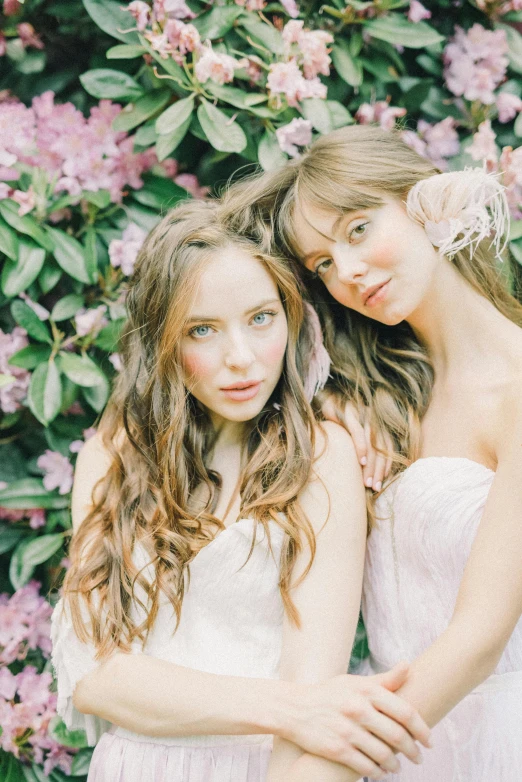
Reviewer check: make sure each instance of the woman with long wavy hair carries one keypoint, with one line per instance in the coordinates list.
(405, 265)
(213, 549)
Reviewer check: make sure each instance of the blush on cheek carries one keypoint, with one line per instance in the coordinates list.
(382, 256)
(274, 351)
(196, 367)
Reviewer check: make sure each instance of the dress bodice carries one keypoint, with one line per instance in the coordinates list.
(427, 520)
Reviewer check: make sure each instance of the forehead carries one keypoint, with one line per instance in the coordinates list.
(232, 280)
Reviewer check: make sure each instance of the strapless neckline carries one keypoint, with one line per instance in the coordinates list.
(448, 459)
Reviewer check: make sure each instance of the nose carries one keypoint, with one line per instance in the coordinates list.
(239, 353)
(350, 268)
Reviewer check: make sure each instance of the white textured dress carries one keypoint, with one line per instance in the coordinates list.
(415, 561)
(231, 624)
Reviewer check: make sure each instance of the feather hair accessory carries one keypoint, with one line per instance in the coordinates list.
(459, 209)
(318, 370)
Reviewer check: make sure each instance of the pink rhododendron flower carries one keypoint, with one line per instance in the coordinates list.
(380, 112)
(28, 35)
(252, 5)
(476, 62)
(77, 445)
(286, 78)
(123, 252)
(26, 199)
(436, 142)
(215, 66)
(36, 516)
(297, 133)
(42, 313)
(4, 191)
(291, 8)
(24, 625)
(90, 321)
(508, 106)
(414, 141)
(510, 164)
(190, 182)
(417, 12)
(309, 48)
(173, 9)
(58, 471)
(483, 146)
(182, 37)
(14, 393)
(116, 361)
(141, 12)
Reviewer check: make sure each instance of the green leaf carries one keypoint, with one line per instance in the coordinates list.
(430, 65)
(146, 135)
(397, 29)
(49, 276)
(30, 357)
(112, 19)
(515, 230)
(217, 22)
(29, 320)
(159, 192)
(317, 112)
(9, 537)
(109, 336)
(263, 33)
(30, 553)
(145, 107)
(68, 738)
(66, 308)
(514, 41)
(8, 241)
(125, 52)
(270, 154)
(11, 770)
(24, 225)
(349, 68)
(516, 250)
(339, 114)
(80, 369)
(165, 145)
(91, 254)
(107, 83)
(381, 68)
(241, 99)
(69, 254)
(6, 380)
(30, 493)
(45, 393)
(517, 128)
(99, 198)
(81, 763)
(175, 115)
(224, 134)
(97, 396)
(16, 277)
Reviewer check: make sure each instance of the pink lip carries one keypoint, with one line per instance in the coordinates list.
(375, 295)
(242, 391)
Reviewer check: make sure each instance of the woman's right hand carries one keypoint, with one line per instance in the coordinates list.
(359, 722)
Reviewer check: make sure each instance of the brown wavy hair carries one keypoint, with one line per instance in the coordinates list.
(159, 439)
(384, 370)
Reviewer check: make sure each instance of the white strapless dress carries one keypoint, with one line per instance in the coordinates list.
(231, 623)
(416, 555)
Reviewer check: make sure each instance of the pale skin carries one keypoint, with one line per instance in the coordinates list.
(475, 413)
(238, 333)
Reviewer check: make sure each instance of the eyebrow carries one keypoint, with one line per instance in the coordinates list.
(335, 226)
(214, 319)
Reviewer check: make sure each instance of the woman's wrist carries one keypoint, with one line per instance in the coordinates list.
(273, 706)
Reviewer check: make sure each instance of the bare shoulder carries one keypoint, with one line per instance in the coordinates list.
(92, 464)
(333, 445)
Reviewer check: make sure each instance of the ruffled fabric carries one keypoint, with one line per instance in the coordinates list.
(117, 759)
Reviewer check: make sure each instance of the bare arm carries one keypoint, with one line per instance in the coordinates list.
(489, 602)
(328, 601)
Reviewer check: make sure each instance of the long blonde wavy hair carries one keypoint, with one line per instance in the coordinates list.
(383, 369)
(159, 439)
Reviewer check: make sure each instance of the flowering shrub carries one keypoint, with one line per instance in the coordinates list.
(110, 112)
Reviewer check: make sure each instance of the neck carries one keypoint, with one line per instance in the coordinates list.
(229, 434)
(454, 322)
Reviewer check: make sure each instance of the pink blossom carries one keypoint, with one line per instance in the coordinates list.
(69, 184)
(216, 66)
(297, 133)
(77, 445)
(252, 5)
(483, 146)
(311, 48)
(476, 62)
(36, 516)
(12, 7)
(190, 182)
(116, 361)
(380, 112)
(26, 199)
(173, 9)
(123, 252)
(436, 142)
(291, 8)
(181, 36)
(414, 141)
(7, 158)
(13, 394)
(508, 106)
(286, 78)
(417, 12)
(24, 625)
(141, 12)
(4, 191)
(90, 321)
(510, 164)
(28, 35)
(42, 313)
(3, 44)
(58, 471)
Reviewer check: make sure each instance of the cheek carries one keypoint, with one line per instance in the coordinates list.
(197, 366)
(274, 349)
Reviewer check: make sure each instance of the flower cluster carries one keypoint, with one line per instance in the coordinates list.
(13, 393)
(80, 153)
(380, 112)
(27, 706)
(123, 252)
(437, 141)
(297, 133)
(24, 624)
(306, 56)
(58, 471)
(475, 63)
(507, 163)
(27, 35)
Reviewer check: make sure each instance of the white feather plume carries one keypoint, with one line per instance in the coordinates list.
(461, 208)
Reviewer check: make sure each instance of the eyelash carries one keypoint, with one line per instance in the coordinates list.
(315, 272)
(192, 332)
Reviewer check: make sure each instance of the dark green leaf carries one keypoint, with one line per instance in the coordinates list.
(241, 99)
(49, 276)
(97, 396)
(125, 52)
(9, 536)
(112, 19)
(69, 254)
(30, 493)
(217, 22)
(68, 738)
(30, 553)
(91, 254)
(107, 83)
(80, 369)
(8, 241)
(81, 763)
(263, 33)
(29, 320)
(516, 251)
(45, 392)
(339, 114)
(99, 198)
(176, 115)
(223, 133)
(109, 336)
(165, 145)
(66, 308)
(159, 192)
(514, 40)
(16, 277)
(24, 225)
(31, 356)
(397, 29)
(349, 68)
(135, 113)
(11, 769)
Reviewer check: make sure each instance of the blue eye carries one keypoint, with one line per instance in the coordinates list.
(262, 318)
(200, 331)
